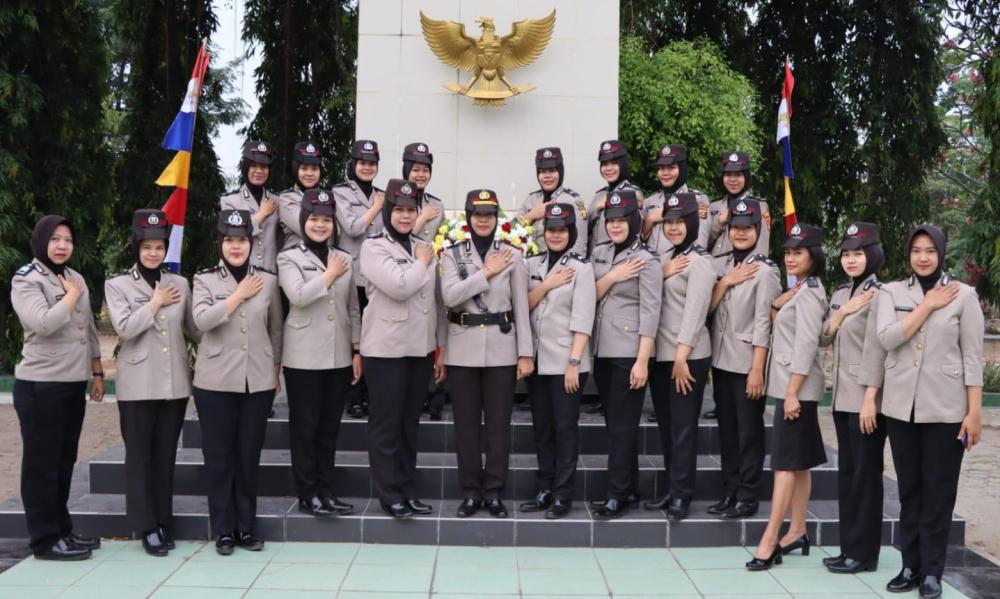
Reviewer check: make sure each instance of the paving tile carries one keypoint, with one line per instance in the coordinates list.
(133, 551)
(714, 558)
(279, 594)
(797, 581)
(388, 578)
(648, 582)
(202, 574)
(401, 555)
(497, 557)
(34, 572)
(635, 559)
(35, 592)
(813, 561)
(364, 595)
(478, 596)
(129, 573)
(196, 593)
(767, 596)
(91, 592)
(581, 582)
(481, 580)
(560, 558)
(734, 582)
(301, 577)
(316, 553)
(208, 554)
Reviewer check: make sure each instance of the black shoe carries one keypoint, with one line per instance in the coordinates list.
(419, 507)
(852, 566)
(559, 509)
(270, 414)
(611, 509)
(435, 406)
(651, 417)
(524, 406)
(540, 503)
(597, 408)
(722, 506)
(757, 564)
(356, 411)
(468, 507)
(332, 503)
(930, 587)
(225, 545)
(65, 551)
(678, 509)
(84, 542)
(829, 561)
(904, 582)
(153, 543)
(399, 511)
(315, 506)
(799, 543)
(659, 504)
(710, 415)
(496, 507)
(631, 498)
(167, 537)
(247, 541)
(742, 509)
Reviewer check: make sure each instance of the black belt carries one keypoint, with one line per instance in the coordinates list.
(468, 319)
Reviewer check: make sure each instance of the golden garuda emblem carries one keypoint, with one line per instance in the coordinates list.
(490, 57)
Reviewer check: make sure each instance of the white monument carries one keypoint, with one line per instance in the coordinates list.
(401, 96)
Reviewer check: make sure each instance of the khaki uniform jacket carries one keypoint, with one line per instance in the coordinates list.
(429, 230)
(289, 204)
(742, 319)
(595, 216)
(563, 195)
(795, 343)
(404, 313)
(322, 323)
(58, 344)
(352, 203)
(238, 351)
(153, 360)
(718, 233)
(858, 358)
(630, 309)
(686, 297)
(264, 253)
(926, 376)
(657, 200)
(487, 345)
(564, 311)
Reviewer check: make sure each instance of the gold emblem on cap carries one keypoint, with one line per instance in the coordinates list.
(484, 195)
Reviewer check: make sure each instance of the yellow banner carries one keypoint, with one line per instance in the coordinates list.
(176, 173)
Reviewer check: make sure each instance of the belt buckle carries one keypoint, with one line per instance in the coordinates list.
(461, 319)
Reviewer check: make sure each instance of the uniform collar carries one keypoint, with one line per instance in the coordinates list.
(224, 270)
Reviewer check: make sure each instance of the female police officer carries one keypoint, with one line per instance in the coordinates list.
(485, 284)
(795, 380)
(418, 164)
(672, 174)
(858, 368)
(551, 173)
(150, 310)
(737, 181)
(561, 297)
(307, 170)
(320, 340)
(398, 339)
(252, 196)
(60, 353)
(932, 330)
(237, 307)
(628, 293)
(613, 159)
(741, 335)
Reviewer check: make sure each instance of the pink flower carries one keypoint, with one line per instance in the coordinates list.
(952, 78)
(948, 43)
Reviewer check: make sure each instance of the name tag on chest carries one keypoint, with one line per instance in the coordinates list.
(904, 308)
(310, 268)
(402, 261)
(221, 296)
(140, 300)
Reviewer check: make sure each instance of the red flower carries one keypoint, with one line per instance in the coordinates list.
(506, 227)
(465, 228)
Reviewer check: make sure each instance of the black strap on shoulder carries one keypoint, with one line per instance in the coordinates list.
(463, 273)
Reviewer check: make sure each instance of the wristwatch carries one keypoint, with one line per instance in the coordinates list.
(574, 361)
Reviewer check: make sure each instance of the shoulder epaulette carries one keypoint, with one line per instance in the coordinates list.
(583, 259)
(118, 274)
(342, 184)
(376, 235)
(605, 188)
(284, 191)
(232, 191)
(844, 286)
(432, 196)
(539, 190)
(603, 243)
(262, 269)
(571, 192)
(700, 250)
(209, 269)
(30, 266)
(377, 189)
(872, 283)
(812, 282)
(539, 255)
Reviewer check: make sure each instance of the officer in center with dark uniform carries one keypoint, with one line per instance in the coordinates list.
(255, 198)
(551, 173)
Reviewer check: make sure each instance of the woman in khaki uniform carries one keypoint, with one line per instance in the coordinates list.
(320, 354)
(484, 283)
(398, 339)
(737, 181)
(418, 163)
(550, 172)
(683, 349)
(307, 170)
(613, 159)
(795, 380)
(741, 336)
(150, 309)
(260, 202)
(60, 354)
(932, 330)
(672, 174)
(237, 307)
(858, 368)
(561, 295)
(629, 282)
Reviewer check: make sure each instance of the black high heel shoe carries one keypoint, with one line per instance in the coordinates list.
(799, 543)
(757, 564)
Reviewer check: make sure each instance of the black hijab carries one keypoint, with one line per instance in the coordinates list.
(352, 175)
(573, 233)
(941, 243)
(238, 272)
(320, 248)
(747, 183)
(874, 260)
(547, 195)
(482, 244)
(634, 226)
(401, 238)
(682, 177)
(691, 222)
(151, 275)
(622, 172)
(40, 235)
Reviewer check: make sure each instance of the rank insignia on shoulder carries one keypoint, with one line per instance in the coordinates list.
(571, 192)
(846, 286)
(700, 250)
(357, 205)
(749, 260)
(583, 259)
(812, 282)
(208, 270)
(904, 308)
(873, 283)
(25, 269)
(60, 296)
(945, 279)
(261, 269)
(564, 260)
(372, 235)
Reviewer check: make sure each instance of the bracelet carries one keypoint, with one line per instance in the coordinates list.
(97, 375)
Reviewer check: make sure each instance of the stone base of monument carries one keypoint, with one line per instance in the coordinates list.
(98, 501)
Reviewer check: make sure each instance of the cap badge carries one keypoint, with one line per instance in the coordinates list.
(368, 146)
(615, 200)
(796, 230)
(852, 230)
(673, 201)
(733, 157)
(406, 189)
(152, 220)
(555, 211)
(741, 207)
(310, 149)
(323, 197)
(235, 219)
(666, 151)
(606, 146)
(262, 147)
(484, 195)
(547, 154)
(421, 148)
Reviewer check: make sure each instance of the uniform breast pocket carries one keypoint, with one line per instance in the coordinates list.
(394, 314)
(953, 370)
(744, 336)
(626, 324)
(783, 359)
(45, 351)
(297, 322)
(210, 351)
(135, 357)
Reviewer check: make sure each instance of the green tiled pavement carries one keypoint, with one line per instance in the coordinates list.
(120, 570)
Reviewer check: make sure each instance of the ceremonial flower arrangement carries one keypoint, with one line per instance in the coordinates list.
(511, 230)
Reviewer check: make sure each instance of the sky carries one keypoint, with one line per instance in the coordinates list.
(228, 143)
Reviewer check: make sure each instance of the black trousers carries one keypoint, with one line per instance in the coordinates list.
(315, 404)
(928, 460)
(741, 435)
(358, 394)
(622, 412)
(51, 417)
(232, 430)
(150, 429)
(398, 388)
(677, 421)
(555, 420)
(859, 486)
(482, 396)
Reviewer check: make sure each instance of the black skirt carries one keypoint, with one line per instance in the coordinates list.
(796, 444)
